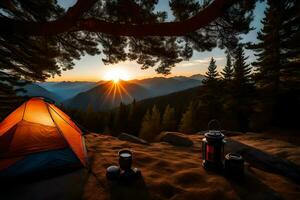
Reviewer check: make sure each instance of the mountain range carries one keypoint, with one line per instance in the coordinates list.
(105, 95)
(67, 89)
(108, 95)
(32, 90)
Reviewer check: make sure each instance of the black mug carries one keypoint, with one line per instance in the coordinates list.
(125, 159)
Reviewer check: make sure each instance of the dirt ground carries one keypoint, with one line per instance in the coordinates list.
(176, 173)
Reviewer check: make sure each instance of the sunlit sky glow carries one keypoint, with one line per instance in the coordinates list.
(91, 68)
(116, 74)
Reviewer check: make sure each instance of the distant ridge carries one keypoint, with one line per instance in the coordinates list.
(197, 77)
(107, 95)
(137, 89)
(36, 90)
(68, 89)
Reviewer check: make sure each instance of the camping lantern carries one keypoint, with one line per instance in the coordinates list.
(213, 150)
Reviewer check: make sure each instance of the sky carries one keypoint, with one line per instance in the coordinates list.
(91, 68)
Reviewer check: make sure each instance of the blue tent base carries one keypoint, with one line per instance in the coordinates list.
(42, 164)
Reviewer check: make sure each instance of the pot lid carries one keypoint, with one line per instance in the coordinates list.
(214, 134)
(234, 156)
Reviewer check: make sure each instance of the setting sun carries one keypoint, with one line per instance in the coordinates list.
(116, 74)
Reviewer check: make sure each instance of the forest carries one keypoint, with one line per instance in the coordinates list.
(244, 96)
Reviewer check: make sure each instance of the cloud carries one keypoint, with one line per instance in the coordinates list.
(199, 61)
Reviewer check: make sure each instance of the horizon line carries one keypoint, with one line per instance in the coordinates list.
(142, 78)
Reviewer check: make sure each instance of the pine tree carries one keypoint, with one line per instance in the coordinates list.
(121, 119)
(168, 120)
(227, 98)
(133, 119)
(151, 124)
(228, 69)
(9, 86)
(89, 118)
(212, 74)
(278, 49)
(48, 50)
(89, 109)
(242, 71)
(36, 58)
(211, 93)
(242, 89)
(277, 66)
(187, 120)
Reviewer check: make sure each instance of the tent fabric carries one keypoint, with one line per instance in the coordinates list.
(7, 162)
(36, 111)
(36, 127)
(70, 134)
(64, 117)
(21, 141)
(38, 162)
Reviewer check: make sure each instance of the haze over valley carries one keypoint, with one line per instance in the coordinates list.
(105, 95)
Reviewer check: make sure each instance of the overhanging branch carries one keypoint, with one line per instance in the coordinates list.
(71, 22)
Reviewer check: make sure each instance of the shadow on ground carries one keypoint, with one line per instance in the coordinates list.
(136, 190)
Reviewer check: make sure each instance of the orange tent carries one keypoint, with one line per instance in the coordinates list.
(42, 134)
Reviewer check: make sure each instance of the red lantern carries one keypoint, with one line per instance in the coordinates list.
(213, 150)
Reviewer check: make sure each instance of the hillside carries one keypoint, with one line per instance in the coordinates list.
(199, 77)
(36, 90)
(107, 96)
(183, 98)
(98, 99)
(67, 89)
(162, 86)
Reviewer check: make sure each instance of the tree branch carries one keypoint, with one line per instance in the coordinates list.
(71, 22)
(61, 25)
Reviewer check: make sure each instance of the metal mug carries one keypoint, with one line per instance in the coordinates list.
(125, 159)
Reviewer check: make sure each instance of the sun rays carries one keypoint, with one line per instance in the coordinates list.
(116, 91)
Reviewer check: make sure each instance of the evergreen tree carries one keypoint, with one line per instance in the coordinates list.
(134, 120)
(242, 71)
(89, 118)
(242, 89)
(278, 49)
(227, 96)
(212, 74)
(228, 69)
(9, 85)
(89, 109)
(36, 58)
(211, 93)
(39, 39)
(187, 120)
(151, 124)
(107, 130)
(121, 119)
(168, 120)
(277, 66)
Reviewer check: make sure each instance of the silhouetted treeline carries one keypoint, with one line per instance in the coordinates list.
(231, 97)
(243, 97)
(278, 65)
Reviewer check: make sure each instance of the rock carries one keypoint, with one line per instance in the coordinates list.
(175, 138)
(131, 138)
